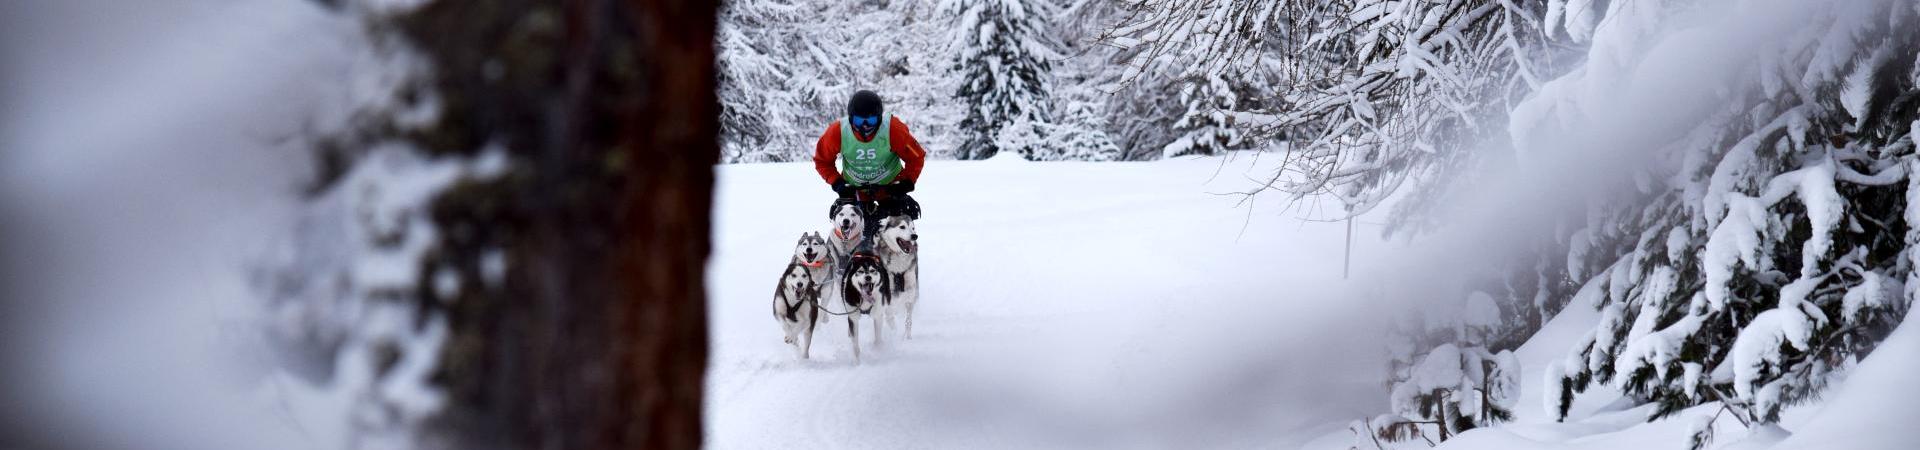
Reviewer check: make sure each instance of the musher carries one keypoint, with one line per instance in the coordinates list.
(876, 167)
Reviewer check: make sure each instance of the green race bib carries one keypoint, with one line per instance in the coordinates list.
(868, 163)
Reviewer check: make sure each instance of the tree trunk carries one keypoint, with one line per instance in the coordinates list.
(626, 353)
(597, 336)
(673, 137)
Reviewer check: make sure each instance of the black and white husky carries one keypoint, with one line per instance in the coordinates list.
(848, 224)
(899, 249)
(865, 288)
(795, 303)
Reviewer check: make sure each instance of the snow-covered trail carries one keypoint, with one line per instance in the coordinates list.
(1063, 305)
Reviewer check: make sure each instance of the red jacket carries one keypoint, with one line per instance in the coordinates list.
(826, 154)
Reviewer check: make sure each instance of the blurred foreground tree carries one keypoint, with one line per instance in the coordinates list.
(559, 156)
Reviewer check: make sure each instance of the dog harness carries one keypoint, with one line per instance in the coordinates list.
(852, 309)
(843, 236)
(869, 163)
(793, 307)
(801, 297)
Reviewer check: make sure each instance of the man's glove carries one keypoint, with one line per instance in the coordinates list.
(840, 187)
(901, 187)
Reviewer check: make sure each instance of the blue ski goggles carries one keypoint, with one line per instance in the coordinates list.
(865, 121)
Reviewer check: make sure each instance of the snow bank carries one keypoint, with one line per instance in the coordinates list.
(1876, 407)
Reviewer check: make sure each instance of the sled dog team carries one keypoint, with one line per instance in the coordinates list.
(836, 275)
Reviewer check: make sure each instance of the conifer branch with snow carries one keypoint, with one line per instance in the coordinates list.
(1005, 76)
(1369, 93)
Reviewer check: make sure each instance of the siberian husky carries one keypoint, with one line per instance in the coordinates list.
(816, 254)
(865, 288)
(795, 303)
(847, 228)
(899, 249)
(849, 223)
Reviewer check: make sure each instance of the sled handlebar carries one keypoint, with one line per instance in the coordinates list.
(866, 193)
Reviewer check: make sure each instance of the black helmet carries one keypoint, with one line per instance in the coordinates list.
(865, 103)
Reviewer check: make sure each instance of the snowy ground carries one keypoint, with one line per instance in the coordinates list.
(1063, 305)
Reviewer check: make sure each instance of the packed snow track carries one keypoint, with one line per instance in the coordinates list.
(1062, 305)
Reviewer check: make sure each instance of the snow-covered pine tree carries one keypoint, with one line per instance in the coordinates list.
(1530, 285)
(1371, 94)
(1141, 113)
(1781, 248)
(1080, 134)
(1456, 384)
(761, 115)
(1003, 69)
(1207, 126)
(788, 67)
(1081, 128)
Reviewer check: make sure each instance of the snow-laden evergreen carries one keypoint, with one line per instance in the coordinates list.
(762, 115)
(1443, 379)
(342, 293)
(787, 68)
(1079, 133)
(1003, 67)
(360, 337)
(1771, 246)
(1092, 107)
(1207, 126)
(1371, 95)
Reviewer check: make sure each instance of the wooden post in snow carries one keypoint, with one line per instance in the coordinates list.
(1347, 264)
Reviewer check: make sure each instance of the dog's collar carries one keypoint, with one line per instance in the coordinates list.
(815, 264)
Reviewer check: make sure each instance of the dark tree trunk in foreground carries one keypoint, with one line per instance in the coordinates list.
(674, 135)
(596, 339)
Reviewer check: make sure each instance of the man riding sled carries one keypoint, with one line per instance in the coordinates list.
(877, 165)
